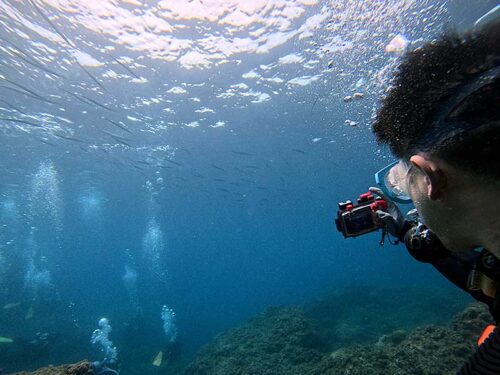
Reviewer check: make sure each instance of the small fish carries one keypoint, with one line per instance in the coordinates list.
(47, 142)
(16, 47)
(29, 315)
(5, 340)
(11, 305)
(143, 162)
(217, 167)
(92, 76)
(299, 151)
(242, 153)
(39, 11)
(21, 121)
(76, 96)
(39, 66)
(125, 67)
(37, 97)
(113, 135)
(12, 106)
(119, 125)
(158, 359)
(173, 162)
(68, 138)
(314, 104)
(123, 141)
(23, 88)
(97, 103)
(27, 59)
(18, 91)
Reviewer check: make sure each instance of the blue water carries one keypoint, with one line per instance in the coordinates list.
(217, 213)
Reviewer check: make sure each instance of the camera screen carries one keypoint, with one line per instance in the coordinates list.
(359, 221)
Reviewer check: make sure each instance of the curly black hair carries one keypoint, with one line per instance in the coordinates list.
(425, 80)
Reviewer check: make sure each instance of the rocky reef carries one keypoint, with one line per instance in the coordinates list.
(357, 331)
(80, 368)
(280, 341)
(288, 341)
(426, 350)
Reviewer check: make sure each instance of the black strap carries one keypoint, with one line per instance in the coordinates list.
(486, 359)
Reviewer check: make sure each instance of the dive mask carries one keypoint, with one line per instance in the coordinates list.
(393, 181)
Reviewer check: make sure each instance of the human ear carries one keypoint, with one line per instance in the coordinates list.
(434, 175)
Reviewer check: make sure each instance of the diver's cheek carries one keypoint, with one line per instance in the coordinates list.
(436, 222)
(418, 194)
(425, 214)
(421, 212)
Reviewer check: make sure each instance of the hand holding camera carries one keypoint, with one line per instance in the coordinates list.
(392, 217)
(370, 213)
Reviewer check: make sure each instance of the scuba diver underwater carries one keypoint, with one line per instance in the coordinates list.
(101, 368)
(441, 119)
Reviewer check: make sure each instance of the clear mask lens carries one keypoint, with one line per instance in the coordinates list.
(393, 181)
(396, 180)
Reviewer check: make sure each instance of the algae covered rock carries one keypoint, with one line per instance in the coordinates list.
(80, 368)
(279, 341)
(286, 341)
(361, 314)
(428, 350)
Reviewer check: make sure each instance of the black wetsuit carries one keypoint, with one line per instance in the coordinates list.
(461, 269)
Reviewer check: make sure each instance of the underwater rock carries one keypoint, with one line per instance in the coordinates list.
(361, 314)
(427, 350)
(285, 341)
(279, 341)
(80, 368)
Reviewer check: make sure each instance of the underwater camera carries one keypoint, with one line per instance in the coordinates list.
(357, 219)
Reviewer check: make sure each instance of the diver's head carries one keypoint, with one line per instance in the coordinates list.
(442, 119)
